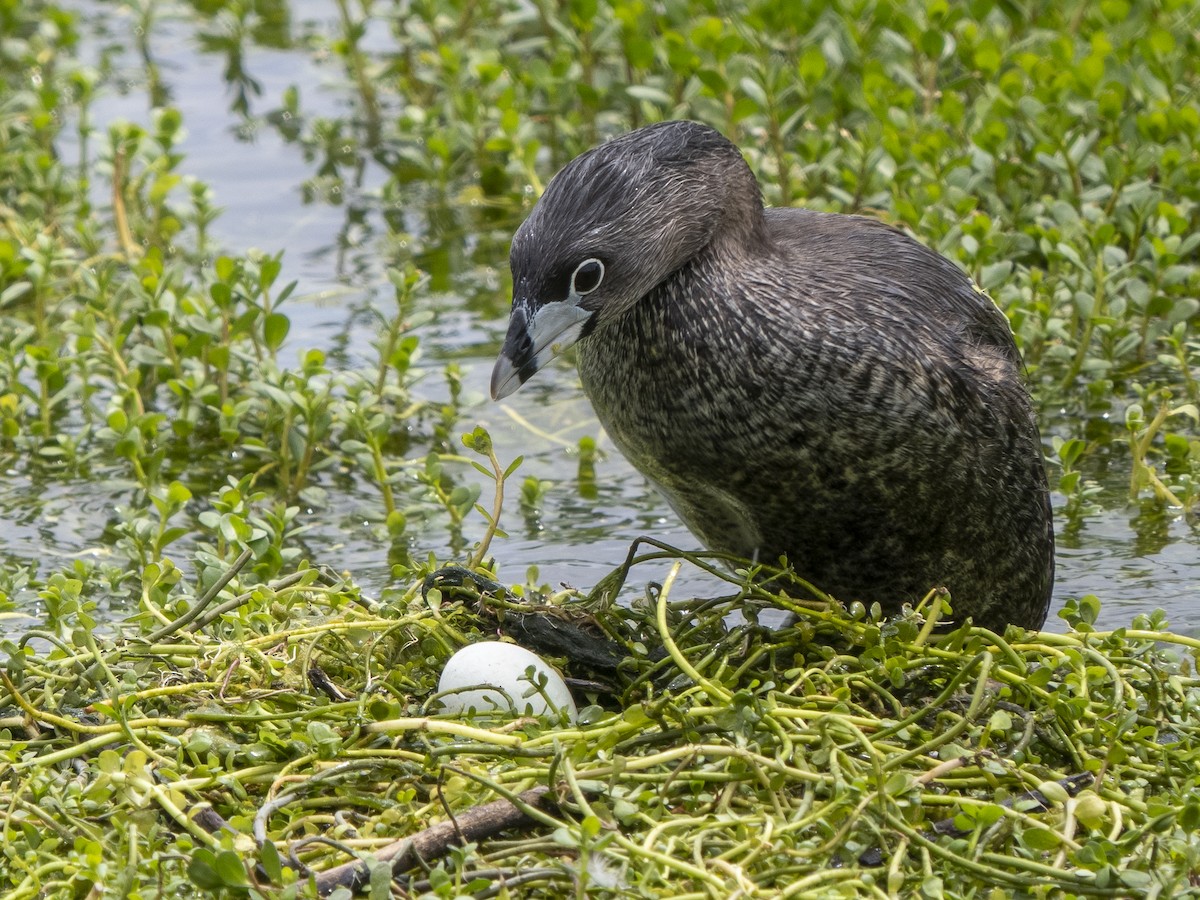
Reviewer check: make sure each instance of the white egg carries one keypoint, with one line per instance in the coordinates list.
(494, 678)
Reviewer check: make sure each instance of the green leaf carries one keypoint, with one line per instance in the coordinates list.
(812, 65)
(202, 870)
(380, 880)
(1000, 721)
(275, 330)
(1054, 792)
(327, 741)
(268, 271)
(899, 783)
(268, 858)
(649, 95)
(1040, 839)
(178, 493)
(231, 870)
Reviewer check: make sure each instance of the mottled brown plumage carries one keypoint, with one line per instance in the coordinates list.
(796, 383)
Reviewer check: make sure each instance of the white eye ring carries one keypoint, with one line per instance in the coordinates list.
(579, 292)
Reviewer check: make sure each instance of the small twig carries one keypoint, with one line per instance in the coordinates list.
(441, 794)
(125, 237)
(499, 475)
(198, 607)
(267, 810)
(233, 667)
(717, 692)
(935, 597)
(234, 602)
(474, 824)
(939, 770)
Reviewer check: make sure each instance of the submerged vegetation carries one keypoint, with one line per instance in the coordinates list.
(200, 706)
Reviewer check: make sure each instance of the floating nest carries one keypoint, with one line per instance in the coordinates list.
(286, 743)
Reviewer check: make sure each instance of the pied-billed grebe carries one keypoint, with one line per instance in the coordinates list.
(796, 383)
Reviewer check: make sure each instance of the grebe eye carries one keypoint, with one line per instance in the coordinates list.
(587, 277)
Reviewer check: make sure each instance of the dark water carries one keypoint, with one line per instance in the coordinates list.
(334, 251)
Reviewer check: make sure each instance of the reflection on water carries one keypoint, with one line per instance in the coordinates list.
(265, 113)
